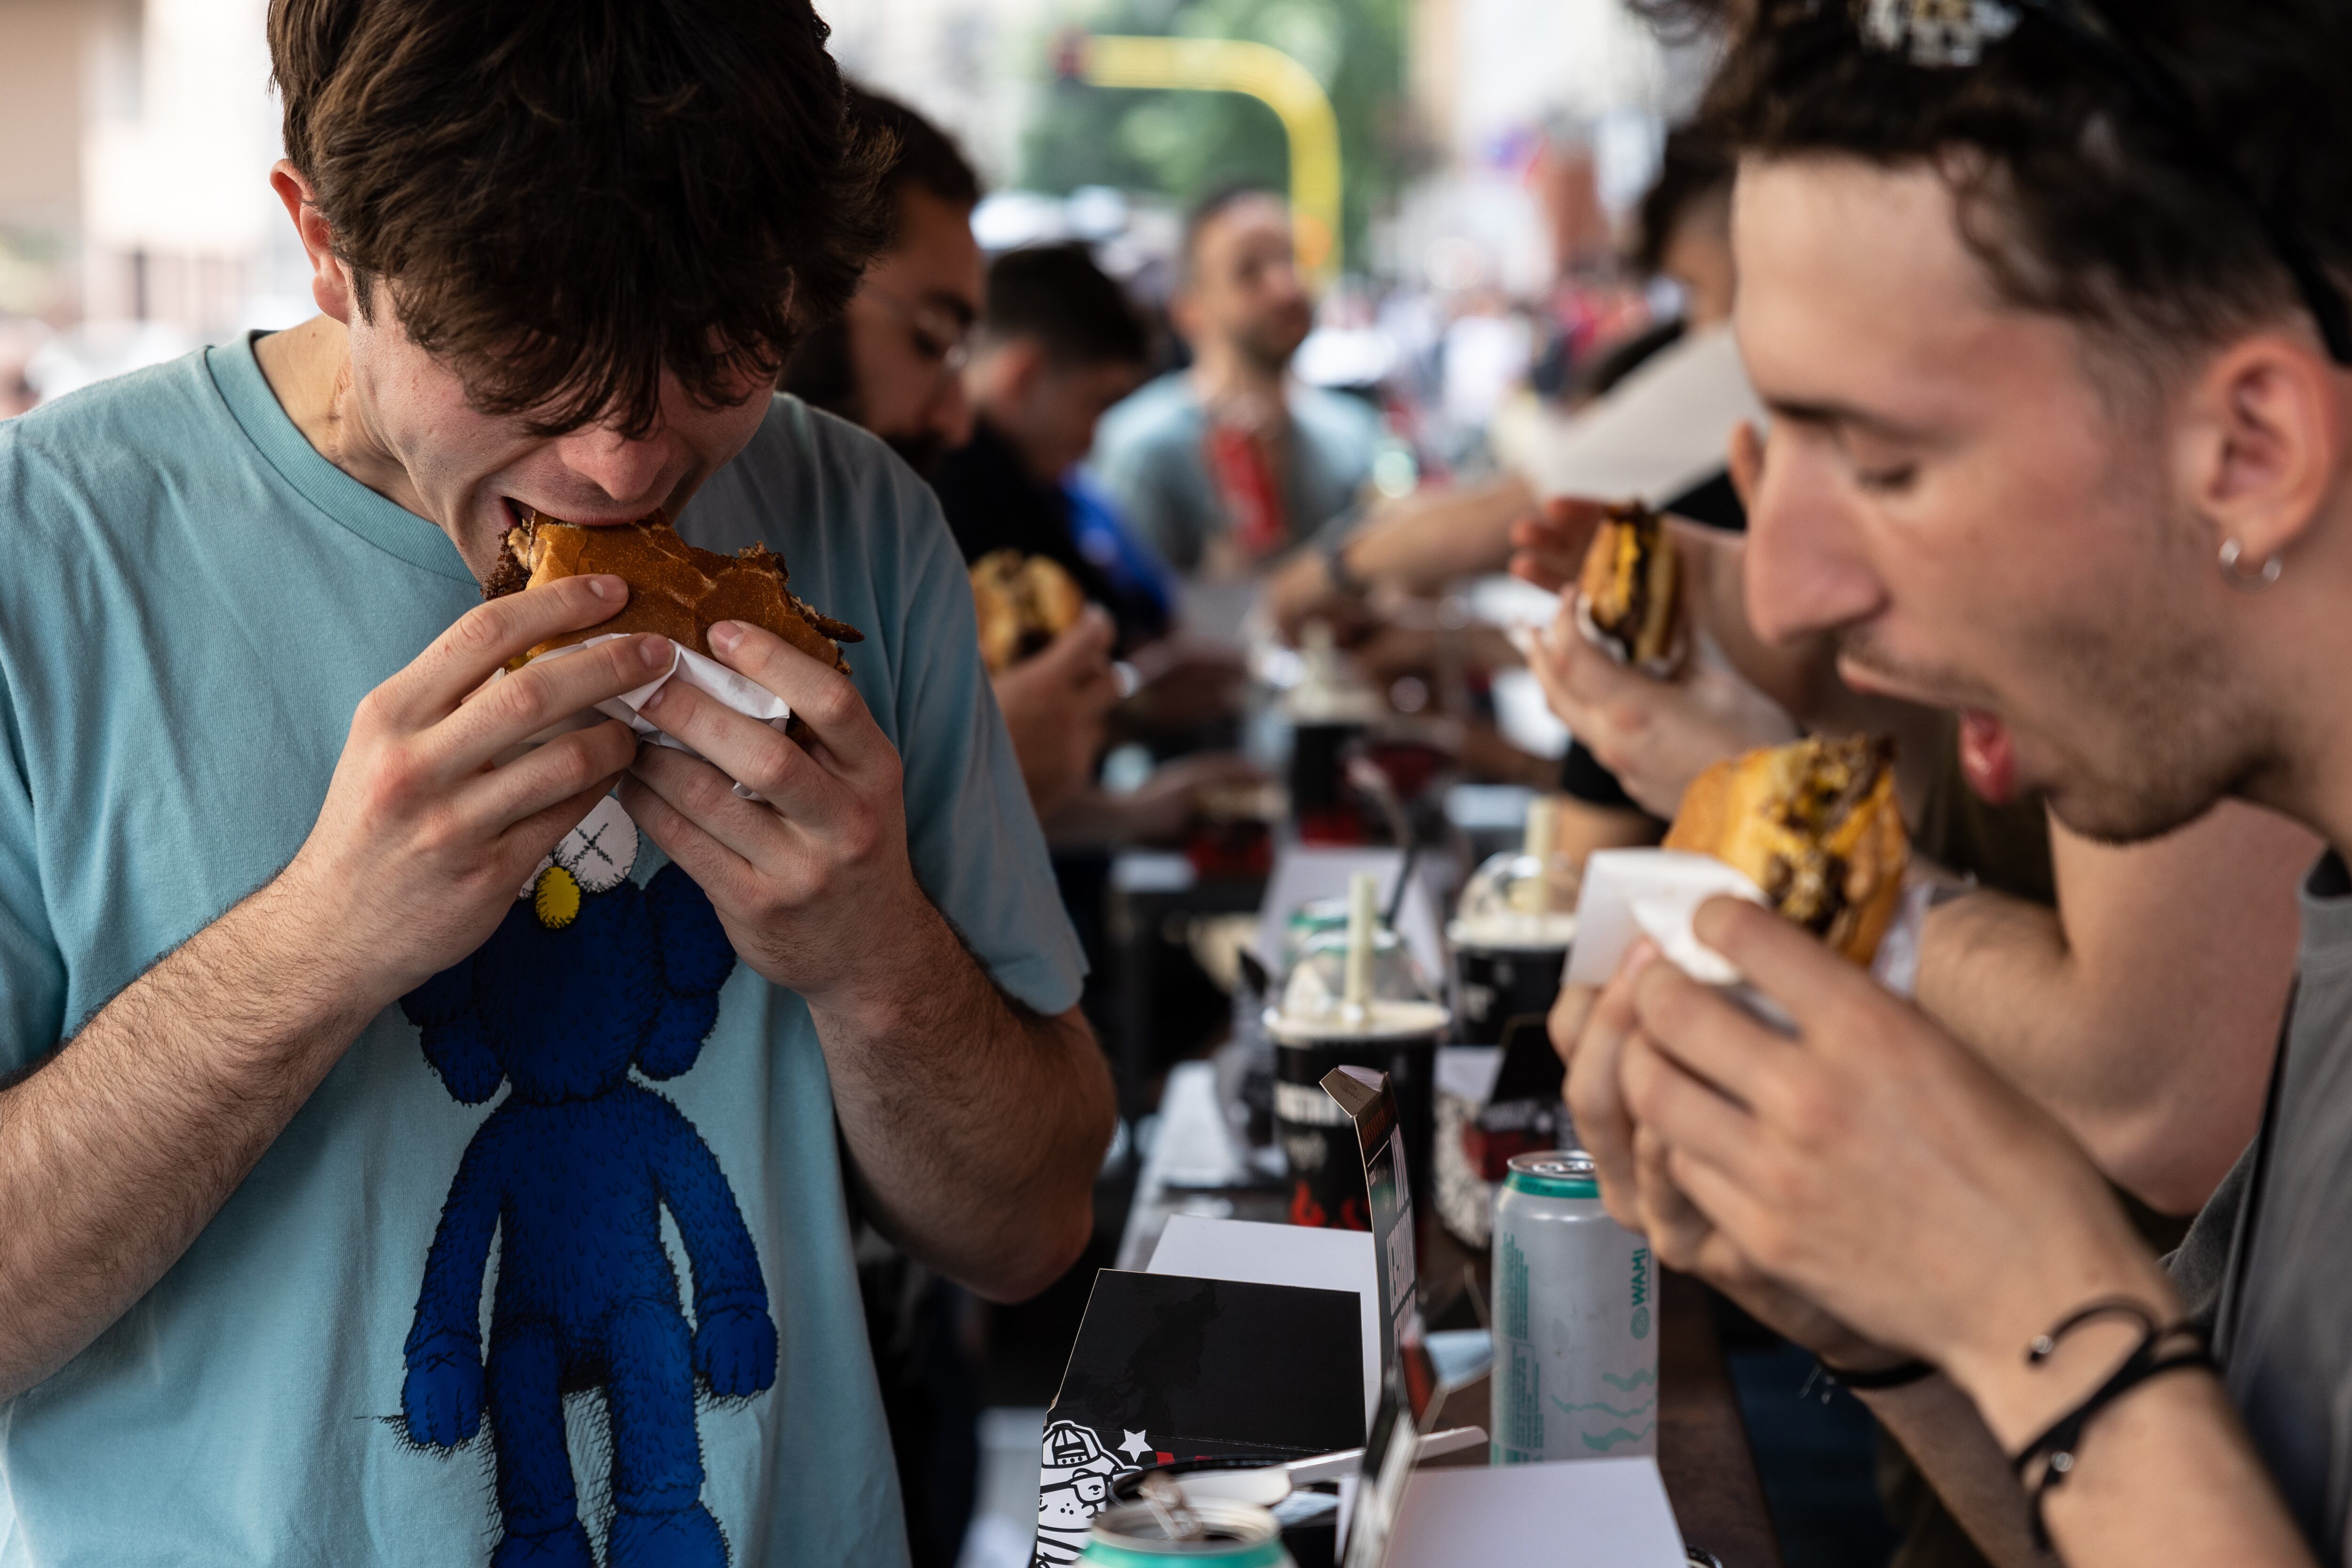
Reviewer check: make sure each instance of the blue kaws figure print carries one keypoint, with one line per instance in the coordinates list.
(587, 976)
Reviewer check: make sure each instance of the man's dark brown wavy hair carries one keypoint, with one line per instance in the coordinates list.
(564, 198)
(2080, 199)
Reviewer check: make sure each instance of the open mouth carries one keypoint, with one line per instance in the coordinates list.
(520, 512)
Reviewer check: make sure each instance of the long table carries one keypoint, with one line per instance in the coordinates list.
(1703, 1450)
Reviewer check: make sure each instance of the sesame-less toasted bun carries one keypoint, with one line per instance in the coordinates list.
(1816, 826)
(676, 590)
(1022, 604)
(1630, 586)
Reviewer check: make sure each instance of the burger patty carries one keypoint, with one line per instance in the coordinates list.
(1808, 885)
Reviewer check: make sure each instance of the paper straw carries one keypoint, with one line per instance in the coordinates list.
(1363, 904)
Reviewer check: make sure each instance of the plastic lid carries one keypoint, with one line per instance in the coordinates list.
(1236, 1535)
(1314, 997)
(1520, 900)
(1558, 1174)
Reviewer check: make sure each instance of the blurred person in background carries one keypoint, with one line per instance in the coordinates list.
(18, 342)
(1059, 343)
(893, 362)
(1228, 462)
(1649, 416)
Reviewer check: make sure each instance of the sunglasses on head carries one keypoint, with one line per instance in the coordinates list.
(1954, 35)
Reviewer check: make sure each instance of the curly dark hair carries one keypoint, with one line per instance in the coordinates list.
(2082, 196)
(564, 198)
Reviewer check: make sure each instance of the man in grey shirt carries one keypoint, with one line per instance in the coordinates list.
(1230, 461)
(2046, 310)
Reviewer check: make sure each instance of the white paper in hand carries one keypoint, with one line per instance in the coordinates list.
(1631, 893)
(740, 693)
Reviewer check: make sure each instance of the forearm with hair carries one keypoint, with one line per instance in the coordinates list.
(120, 1149)
(2132, 1013)
(1942, 1432)
(975, 1124)
(1430, 538)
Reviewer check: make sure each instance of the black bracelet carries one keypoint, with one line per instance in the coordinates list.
(1901, 1374)
(2060, 1441)
(1335, 566)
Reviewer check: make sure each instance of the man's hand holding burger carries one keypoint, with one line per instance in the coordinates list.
(974, 1125)
(425, 835)
(193, 1070)
(813, 881)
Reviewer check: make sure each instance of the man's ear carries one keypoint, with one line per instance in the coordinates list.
(1022, 366)
(332, 284)
(2265, 439)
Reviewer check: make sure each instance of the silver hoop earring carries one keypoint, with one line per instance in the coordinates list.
(2231, 554)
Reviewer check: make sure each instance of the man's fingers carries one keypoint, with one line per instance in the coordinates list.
(749, 751)
(503, 798)
(1706, 1033)
(1669, 1101)
(512, 709)
(1674, 1228)
(1595, 1102)
(706, 796)
(487, 636)
(822, 696)
(1566, 1021)
(711, 864)
(1080, 652)
(535, 836)
(1813, 982)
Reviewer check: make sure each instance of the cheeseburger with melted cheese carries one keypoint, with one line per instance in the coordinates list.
(1814, 825)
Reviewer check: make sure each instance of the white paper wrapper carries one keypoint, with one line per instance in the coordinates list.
(1632, 893)
(744, 695)
(1655, 668)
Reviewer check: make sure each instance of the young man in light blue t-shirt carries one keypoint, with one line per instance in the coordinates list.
(413, 1152)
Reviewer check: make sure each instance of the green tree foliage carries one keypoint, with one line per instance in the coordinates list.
(1184, 145)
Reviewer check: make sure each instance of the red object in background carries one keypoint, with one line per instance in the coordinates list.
(1342, 824)
(1490, 1152)
(1412, 766)
(1245, 481)
(1305, 1210)
(1231, 851)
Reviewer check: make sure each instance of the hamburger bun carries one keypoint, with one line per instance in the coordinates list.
(1629, 593)
(1814, 825)
(1023, 604)
(676, 590)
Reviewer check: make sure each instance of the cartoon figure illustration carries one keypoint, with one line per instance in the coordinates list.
(1074, 1485)
(587, 976)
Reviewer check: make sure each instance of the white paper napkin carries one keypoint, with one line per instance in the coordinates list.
(1632, 893)
(740, 693)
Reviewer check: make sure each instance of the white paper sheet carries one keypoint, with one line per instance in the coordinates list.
(1254, 1254)
(1630, 894)
(1585, 1514)
(687, 668)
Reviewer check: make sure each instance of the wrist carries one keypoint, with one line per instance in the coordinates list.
(298, 928)
(2018, 1392)
(876, 987)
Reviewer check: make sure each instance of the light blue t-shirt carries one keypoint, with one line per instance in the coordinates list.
(193, 602)
(1149, 454)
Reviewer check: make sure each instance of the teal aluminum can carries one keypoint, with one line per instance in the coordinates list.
(1235, 1535)
(1575, 1345)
